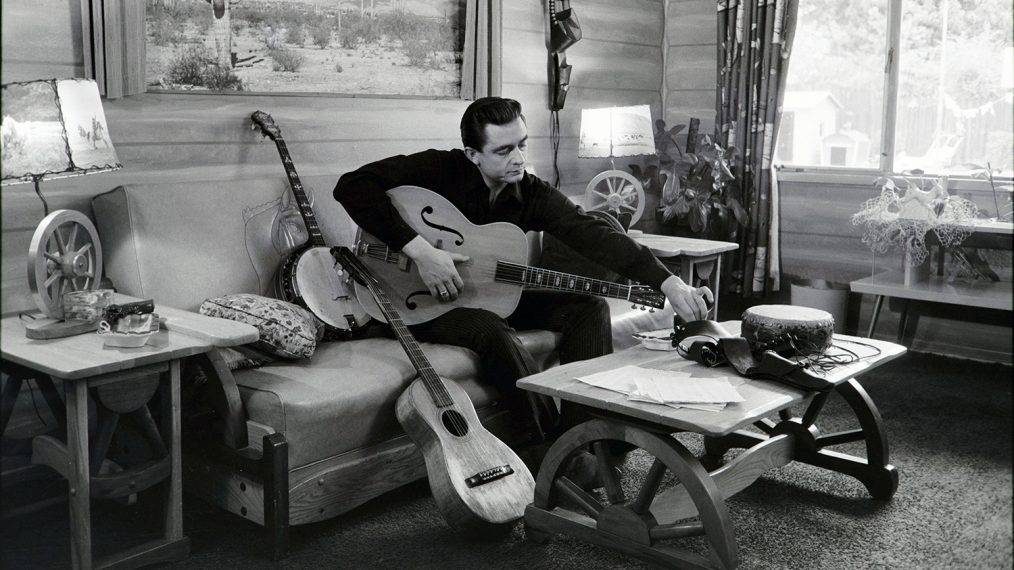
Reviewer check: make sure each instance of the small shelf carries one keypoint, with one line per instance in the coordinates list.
(986, 294)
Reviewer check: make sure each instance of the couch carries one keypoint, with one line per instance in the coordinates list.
(291, 442)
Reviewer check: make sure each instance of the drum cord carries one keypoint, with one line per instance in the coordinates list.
(825, 362)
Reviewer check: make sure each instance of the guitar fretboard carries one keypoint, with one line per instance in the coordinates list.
(538, 278)
(435, 387)
(309, 220)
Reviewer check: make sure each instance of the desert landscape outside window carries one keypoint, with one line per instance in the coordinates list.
(353, 47)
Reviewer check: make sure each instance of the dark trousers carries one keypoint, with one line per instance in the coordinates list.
(583, 322)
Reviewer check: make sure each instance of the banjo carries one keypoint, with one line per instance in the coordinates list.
(309, 276)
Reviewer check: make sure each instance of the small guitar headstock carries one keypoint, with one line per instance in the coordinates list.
(647, 296)
(267, 125)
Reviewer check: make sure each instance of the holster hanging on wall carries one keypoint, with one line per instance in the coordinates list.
(559, 80)
(564, 31)
(715, 346)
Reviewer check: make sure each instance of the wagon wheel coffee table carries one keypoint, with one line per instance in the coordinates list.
(648, 524)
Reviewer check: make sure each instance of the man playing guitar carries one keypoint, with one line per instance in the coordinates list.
(488, 183)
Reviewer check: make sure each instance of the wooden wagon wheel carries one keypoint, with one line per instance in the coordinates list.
(64, 255)
(640, 523)
(617, 192)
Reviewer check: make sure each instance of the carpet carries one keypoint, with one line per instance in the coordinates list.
(949, 423)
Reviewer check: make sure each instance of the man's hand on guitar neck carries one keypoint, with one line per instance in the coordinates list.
(688, 302)
(436, 268)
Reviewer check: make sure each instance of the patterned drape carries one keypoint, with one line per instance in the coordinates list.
(753, 51)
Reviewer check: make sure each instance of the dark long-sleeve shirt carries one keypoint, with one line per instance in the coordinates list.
(531, 204)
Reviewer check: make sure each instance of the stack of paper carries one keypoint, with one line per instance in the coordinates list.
(673, 388)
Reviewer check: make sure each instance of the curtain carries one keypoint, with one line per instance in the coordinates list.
(754, 40)
(113, 37)
(481, 54)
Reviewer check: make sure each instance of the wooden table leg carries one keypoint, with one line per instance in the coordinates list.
(643, 525)
(8, 398)
(874, 471)
(170, 387)
(878, 302)
(80, 480)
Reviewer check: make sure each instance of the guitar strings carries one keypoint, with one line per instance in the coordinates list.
(542, 278)
(415, 353)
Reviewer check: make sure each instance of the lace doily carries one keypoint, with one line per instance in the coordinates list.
(901, 219)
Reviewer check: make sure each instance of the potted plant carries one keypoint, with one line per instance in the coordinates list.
(698, 193)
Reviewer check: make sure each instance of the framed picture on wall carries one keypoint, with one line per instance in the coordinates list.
(345, 47)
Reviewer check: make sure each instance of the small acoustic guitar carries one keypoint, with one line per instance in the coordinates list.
(476, 479)
(494, 276)
(309, 277)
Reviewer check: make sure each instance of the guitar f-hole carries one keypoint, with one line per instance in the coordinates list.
(429, 210)
(454, 423)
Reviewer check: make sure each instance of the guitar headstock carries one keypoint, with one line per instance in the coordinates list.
(267, 125)
(643, 295)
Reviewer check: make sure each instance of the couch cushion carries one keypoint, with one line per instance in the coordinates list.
(343, 399)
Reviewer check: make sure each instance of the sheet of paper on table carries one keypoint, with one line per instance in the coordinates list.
(675, 388)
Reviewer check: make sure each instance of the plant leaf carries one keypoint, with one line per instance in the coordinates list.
(742, 217)
(698, 217)
(681, 207)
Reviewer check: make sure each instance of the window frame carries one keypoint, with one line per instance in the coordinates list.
(792, 172)
(114, 44)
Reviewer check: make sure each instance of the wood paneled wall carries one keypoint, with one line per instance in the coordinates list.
(618, 61)
(691, 73)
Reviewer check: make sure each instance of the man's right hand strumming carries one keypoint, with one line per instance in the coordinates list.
(436, 268)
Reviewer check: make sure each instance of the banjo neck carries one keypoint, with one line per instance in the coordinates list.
(302, 201)
(270, 130)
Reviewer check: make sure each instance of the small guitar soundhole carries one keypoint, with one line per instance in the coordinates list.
(454, 423)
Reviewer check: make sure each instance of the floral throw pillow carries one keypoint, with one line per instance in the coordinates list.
(286, 330)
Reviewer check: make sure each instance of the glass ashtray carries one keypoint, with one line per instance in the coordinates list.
(126, 340)
(132, 332)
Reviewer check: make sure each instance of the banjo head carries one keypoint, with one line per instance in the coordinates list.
(327, 291)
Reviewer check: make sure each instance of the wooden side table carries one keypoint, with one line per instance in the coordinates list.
(696, 261)
(646, 523)
(122, 380)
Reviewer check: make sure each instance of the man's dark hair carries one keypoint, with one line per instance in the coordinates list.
(487, 111)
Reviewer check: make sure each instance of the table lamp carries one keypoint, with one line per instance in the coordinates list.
(56, 128)
(612, 133)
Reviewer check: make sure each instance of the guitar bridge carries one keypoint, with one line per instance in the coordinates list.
(489, 475)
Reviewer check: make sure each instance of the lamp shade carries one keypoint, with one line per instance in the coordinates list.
(615, 132)
(53, 129)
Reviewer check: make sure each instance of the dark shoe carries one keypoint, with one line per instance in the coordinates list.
(583, 470)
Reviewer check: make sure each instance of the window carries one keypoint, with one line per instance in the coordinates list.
(428, 48)
(896, 85)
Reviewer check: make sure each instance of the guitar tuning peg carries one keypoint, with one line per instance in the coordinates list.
(633, 305)
(651, 310)
(643, 307)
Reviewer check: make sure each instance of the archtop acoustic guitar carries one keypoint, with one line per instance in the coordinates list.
(494, 276)
(476, 479)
